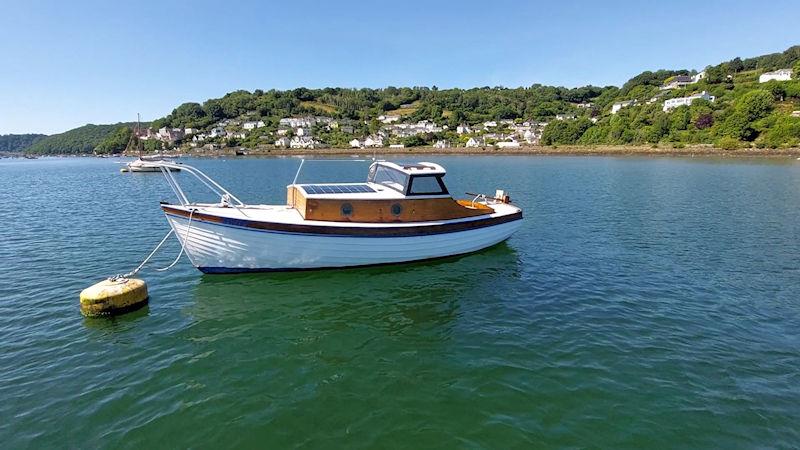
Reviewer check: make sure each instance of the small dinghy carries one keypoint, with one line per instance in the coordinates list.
(402, 213)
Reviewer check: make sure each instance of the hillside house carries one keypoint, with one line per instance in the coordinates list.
(531, 137)
(303, 142)
(282, 142)
(474, 142)
(565, 116)
(463, 129)
(673, 103)
(170, 134)
(585, 105)
(216, 132)
(698, 76)
(441, 144)
(678, 81)
(778, 75)
(355, 143)
(389, 119)
(373, 141)
(253, 125)
(619, 105)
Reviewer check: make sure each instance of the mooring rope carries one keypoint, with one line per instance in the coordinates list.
(183, 244)
(136, 270)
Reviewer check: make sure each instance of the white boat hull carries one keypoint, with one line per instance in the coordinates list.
(220, 248)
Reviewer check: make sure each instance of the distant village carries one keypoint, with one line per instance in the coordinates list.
(301, 133)
(393, 131)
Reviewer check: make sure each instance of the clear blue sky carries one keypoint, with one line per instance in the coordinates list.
(65, 64)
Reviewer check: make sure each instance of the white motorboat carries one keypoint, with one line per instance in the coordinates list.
(401, 213)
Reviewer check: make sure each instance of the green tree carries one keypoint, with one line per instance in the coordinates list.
(116, 141)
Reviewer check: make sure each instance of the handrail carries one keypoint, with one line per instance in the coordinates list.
(202, 177)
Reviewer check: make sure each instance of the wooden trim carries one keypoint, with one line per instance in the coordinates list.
(421, 230)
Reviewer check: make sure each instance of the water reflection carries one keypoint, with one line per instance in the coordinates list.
(393, 298)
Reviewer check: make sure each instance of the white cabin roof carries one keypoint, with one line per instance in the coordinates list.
(420, 168)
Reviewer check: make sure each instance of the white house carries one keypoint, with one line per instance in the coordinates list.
(531, 137)
(190, 130)
(170, 134)
(698, 76)
(388, 118)
(396, 146)
(565, 116)
(253, 125)
(441, 144)
(355, 143)
(584, 105)
(373, 141)
(778, 75)
(619, 105)
(489, 124)
(475, 142)
(678, 81)
(508, 144)
(303, 142)
(463, 129)
(681, 101)
(282, 142)
(216, 132)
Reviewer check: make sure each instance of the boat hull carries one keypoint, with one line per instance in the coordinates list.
(224, 248)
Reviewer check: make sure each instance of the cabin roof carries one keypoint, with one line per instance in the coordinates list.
(420, 168)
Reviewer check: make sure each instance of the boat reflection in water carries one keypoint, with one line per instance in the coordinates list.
(427, 293)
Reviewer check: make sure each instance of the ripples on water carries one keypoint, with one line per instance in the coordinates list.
(645, 303)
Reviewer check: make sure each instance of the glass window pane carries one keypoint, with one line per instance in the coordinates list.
(425, 185)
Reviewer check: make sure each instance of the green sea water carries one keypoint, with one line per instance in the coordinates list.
(645, 303)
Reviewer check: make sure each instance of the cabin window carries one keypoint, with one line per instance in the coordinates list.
(397, 209)
(388, 177)
(427, 185)
(347, 209)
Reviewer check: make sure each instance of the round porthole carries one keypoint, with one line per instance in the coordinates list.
(347, 209)
(397, 209)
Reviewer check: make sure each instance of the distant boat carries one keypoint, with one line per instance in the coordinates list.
(31, 157)
(143, 163)
(402, 213)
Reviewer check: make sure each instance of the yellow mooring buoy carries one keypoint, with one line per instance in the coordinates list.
(113, 296)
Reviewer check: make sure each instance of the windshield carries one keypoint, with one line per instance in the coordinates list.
(388, 177)
(427, 185)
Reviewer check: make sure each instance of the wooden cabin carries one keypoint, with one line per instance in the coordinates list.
(393, 193)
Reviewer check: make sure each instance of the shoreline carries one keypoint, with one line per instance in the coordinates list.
(604, 150)
(621, 150)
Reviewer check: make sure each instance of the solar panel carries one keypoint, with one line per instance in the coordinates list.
(337, 188)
